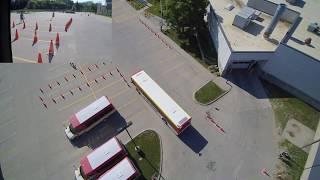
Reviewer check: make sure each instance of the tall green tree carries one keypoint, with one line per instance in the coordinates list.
(184, 14)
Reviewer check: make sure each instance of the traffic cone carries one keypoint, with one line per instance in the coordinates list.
(39, 58)
(24, 25)
(51, 50)
(13, 24)
(50, 28)
(57, 40)
(36, 26)
(35, 38)
(17, 35)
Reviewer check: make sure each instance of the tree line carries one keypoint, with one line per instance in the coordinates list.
(54, 5)
(184, 15)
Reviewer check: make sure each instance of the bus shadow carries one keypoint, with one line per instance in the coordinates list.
(101, 133)
(1, 174)
(193, 139)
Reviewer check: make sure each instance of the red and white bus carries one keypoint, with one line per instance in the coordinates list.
(101, 159)
(124, 170)
(176, 117)
(89, 117)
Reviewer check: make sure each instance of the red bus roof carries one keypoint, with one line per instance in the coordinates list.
(86, 113)
(122, 171)
(100, 155)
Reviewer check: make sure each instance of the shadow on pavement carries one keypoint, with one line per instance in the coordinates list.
(1, 174)
(251, 83)
(193, 139)
(101, 133)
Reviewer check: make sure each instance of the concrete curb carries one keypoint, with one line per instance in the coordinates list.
(216, 99)
(161, 152)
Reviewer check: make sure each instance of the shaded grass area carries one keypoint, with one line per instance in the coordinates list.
(208, 93)
(286, 107)
(188, 42)
(155, 9)
(136, 4)
(298, 159)
(149, 143)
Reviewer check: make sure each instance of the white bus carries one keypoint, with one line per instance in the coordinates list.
(124, 170)
(100, 160)
(176, 117)
(89, 117)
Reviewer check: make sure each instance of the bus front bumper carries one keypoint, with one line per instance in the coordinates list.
(69, 134)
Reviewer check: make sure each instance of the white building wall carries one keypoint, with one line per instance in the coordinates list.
(220, 42)
(296, 72)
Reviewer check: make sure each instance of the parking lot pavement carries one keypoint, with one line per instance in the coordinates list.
(202, 151)
(32, 135)
(89, 38)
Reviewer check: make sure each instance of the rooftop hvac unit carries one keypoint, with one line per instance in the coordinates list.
(314, 27)
(244, 17)
(291, 1)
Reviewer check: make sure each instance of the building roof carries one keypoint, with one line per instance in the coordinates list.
(251, 39)
(309, 12)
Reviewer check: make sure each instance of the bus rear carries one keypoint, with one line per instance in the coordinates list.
(88, 117)
(100, 160)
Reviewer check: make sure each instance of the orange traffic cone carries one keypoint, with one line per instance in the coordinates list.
(36, 26)
(57, 40)
(13, 24)
(50, 28)
(17, 35)
(24, 25)
(51, 50)
(39, 58)
(35, 38)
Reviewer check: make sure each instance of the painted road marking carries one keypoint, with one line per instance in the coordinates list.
(29, 39)
(85, 77)
(24, 59)
(85, 97)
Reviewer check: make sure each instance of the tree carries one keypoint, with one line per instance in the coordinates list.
(184, 14)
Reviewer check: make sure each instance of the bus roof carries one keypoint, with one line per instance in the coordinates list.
(168, 106)
(100, 155)
(122, 171)
(89, 111)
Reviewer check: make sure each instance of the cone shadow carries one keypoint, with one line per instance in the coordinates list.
(50, 57)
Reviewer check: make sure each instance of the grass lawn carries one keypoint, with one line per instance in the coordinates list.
(296, 165)
(149, 143)
(136, 4)
(286, 107)
(155, 8)
(208, 93)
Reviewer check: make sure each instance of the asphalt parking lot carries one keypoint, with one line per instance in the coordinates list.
(32, 135)
(88, 39)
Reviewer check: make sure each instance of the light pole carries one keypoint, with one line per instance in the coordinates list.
(126, 129)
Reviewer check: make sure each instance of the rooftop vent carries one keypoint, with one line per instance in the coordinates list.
(229, 7)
